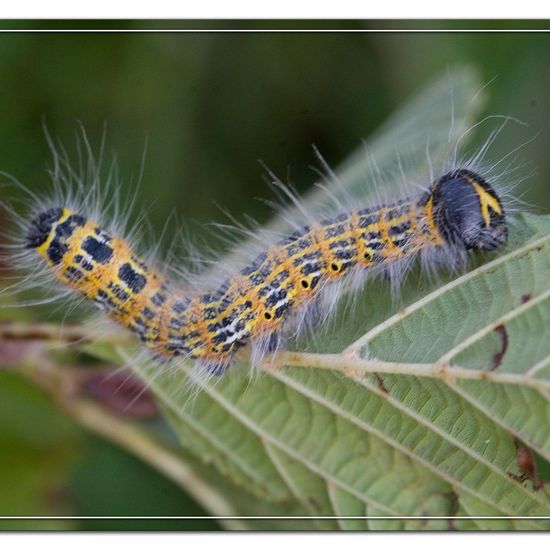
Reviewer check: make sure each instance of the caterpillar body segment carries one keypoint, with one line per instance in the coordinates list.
(459, 210)
(103, 269)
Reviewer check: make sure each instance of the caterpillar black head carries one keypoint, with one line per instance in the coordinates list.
(467, 211)
(41, 226)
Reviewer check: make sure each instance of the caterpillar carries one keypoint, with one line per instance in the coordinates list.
(459, 211)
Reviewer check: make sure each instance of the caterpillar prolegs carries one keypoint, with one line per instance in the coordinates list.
(459, 211)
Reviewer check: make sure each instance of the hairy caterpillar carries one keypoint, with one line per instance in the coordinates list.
(288, 282)
(459, 211)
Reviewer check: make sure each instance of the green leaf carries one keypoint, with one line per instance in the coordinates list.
(437, 433)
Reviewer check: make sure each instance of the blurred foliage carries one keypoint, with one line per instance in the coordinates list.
(94, 494)
(209, 105)
(50, 467)
(38, 446)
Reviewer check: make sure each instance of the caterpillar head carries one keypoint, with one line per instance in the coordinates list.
(41, 227)
(467, 211)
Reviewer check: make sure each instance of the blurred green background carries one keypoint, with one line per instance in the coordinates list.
(209, 106)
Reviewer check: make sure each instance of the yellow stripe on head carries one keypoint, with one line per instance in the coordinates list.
(486, 201)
